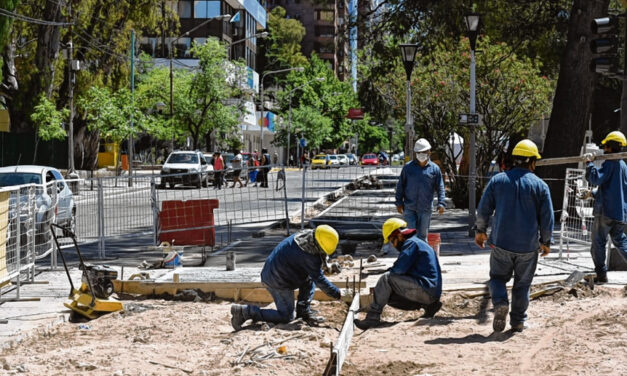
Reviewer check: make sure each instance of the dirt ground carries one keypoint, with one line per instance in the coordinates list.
(568, 335)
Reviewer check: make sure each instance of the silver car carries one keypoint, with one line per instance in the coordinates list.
(47, 177)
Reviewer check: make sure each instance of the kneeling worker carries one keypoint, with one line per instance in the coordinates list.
(296, 263)
(415, 276)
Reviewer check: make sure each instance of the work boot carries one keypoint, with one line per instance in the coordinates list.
(372, 320)
(500, 315)
(600, 278)
(519, 327)
(310, 316)
(238, 316)
(432, 309)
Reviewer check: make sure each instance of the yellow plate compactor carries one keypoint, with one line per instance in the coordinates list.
(93, 298)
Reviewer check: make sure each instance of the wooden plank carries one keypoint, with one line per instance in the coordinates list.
(576, 159)
(346, 335)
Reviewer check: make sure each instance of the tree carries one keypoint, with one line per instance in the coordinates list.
(48, 122)
(283, 46)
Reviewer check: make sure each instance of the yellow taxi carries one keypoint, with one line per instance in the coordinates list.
(320, 161)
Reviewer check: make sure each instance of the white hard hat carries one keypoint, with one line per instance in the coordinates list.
(422, 145)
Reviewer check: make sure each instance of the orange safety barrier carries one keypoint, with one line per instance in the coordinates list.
(124, 162)
(195, 215)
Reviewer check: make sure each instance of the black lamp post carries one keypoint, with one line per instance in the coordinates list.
(409, 56)
(472, 26)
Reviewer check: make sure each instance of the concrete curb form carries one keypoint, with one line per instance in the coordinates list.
(340, 349)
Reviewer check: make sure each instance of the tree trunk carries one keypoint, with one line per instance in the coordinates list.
(573, 96)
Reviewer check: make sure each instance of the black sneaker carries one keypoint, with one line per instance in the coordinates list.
(600, 278)
(310, 317)
(432, 309)
(372, 320)
(500, 315)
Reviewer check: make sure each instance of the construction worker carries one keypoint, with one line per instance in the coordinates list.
(610, 205)
(294, 264)
(413, 282)
(419, 180)
(522, 208)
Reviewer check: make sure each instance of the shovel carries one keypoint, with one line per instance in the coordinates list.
(568, 283)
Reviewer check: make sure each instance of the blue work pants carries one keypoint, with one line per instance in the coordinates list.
(601, 227)
(418, 220)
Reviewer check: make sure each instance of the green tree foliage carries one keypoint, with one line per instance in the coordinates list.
(6, 23)
(511, 94)
(48, 120)
(199, 96)
(283, 45)
(319, 107)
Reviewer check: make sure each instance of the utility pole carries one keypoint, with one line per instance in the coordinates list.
(71, 173)
(130, 137)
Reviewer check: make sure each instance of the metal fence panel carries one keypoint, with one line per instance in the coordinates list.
(577, 218)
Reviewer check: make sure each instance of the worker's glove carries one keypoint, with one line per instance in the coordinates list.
(588, 157)
(480, 239)
(544, 250)
(399, 209)
(440, 210)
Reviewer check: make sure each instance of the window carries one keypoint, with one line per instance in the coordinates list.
(325, 31)
(325, 15)
(184, 9)
(206, 9)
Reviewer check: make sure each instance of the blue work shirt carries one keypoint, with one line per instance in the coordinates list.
(521, 203)
(611, 197)
(416, 186)
(288, 267)
(418, 260)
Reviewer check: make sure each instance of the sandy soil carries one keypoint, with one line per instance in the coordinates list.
(568, 335)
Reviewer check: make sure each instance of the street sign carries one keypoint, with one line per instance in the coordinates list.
(303, 142)
(469, 119)
(355, 113)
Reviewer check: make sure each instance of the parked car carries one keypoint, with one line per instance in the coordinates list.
(352, 159)
(334, 161)
(65, 215)
(369, 159)
(190, 168)
(320, 161)
(344, 161)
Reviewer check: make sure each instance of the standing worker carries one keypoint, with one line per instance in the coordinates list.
(413, 282)
(296, 263)
(521, 204)
(420, 179)
(610, 205)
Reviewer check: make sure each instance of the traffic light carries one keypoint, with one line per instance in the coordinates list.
(606, 46)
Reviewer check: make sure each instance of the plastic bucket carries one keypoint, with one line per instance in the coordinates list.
(434, 241)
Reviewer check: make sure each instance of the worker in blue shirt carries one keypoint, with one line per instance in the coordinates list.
(418, 182)
(610, 205)
(521, 228)
(296, 263)
(413, 282)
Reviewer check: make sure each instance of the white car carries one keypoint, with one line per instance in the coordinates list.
(344, 161)
(44, 176)
(334, 161)
(184, 167)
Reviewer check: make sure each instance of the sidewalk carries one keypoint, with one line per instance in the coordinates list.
(464, 265)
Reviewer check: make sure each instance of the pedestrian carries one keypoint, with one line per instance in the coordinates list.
(610, 204)
(218, 169)
(252, 172)
(521, 228)
(236, 163)
(264, 168)
(275, 158)
(295, 263)
(420, 179)
(413, 282)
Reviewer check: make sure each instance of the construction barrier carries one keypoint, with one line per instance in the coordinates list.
(576, 218)
(188, 222)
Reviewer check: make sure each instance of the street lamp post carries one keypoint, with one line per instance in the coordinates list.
(263, 34)
(409, 56)
(224, 17)
(298, 69)
(472, 26)
(289, 123)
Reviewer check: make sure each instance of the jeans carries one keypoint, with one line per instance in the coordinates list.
(284, 301)
(502, 265)
(401, 285)
(601, 227)
(418, 220)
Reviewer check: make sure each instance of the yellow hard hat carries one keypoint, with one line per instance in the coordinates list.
(390, 226)
(617, 136)
(327, 238)
(526, 148)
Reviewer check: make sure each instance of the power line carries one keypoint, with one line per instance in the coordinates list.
(20, 17)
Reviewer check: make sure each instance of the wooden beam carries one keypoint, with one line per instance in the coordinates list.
(569, 160)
